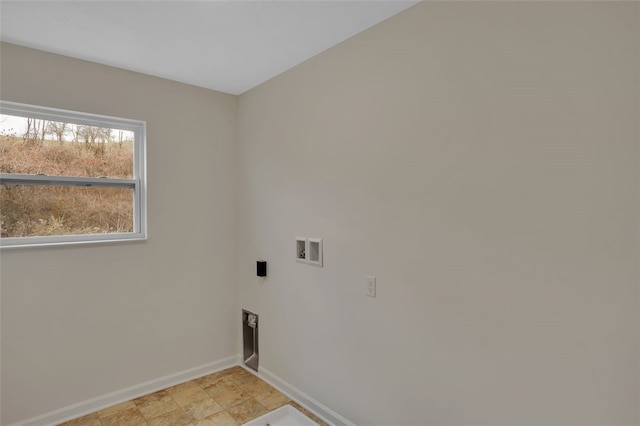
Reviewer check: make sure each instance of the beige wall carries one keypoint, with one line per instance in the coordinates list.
(80, 322)
(480, 159)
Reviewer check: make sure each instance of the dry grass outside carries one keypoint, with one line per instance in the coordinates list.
(36, 210)
(19, 155)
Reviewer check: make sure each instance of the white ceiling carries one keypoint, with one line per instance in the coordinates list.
(230, 46)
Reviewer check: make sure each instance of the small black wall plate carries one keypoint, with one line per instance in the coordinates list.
(261, 268)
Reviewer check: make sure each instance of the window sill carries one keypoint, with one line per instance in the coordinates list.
(72, 240)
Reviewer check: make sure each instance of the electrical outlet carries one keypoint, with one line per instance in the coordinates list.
(371, 286)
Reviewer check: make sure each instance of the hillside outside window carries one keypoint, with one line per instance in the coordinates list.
(70, 177)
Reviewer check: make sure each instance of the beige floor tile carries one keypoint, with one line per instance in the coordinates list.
(243, 377)
(130, 417)
(226, 398)
(201, 409)
(272, 399)
(181, 387)
(219, 419)
(155, 404)
(189, 396)
(211, 378)
(88, 420)
(227, 393)
(247, 410)
(116, 409)
(225, 381)
(235, 369)
(258, 387)
(174, 418)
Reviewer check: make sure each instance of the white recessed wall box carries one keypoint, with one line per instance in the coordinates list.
(314, 251)
(309, 251)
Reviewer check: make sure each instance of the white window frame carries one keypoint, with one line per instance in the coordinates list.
(138, 183)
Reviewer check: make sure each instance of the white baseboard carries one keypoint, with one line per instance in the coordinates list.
(101, 402)
(302, 398)
(95, 404)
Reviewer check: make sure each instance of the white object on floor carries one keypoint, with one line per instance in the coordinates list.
(283, 416)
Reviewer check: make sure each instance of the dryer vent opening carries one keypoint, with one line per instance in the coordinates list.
(250, 339)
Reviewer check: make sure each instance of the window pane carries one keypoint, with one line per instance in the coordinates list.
(39, 210)
(34, 146)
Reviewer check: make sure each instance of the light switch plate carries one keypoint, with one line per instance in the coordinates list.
(371, 286)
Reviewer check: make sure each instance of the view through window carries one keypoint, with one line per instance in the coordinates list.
(69, 177)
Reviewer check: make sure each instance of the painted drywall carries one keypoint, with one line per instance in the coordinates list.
(80, 322)
(481, 160)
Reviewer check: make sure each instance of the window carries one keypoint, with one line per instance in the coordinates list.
(70, 177)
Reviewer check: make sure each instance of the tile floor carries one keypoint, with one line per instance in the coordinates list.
(227, 398)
